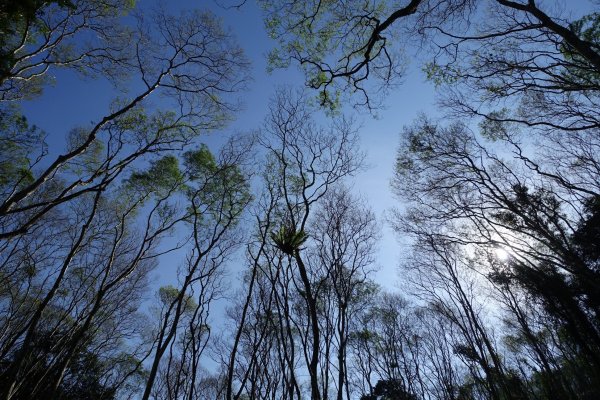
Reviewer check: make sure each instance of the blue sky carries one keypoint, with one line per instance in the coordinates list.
(73, 101)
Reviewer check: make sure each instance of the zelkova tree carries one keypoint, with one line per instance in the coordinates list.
(518, 220)
(308, 272)
(192, 62)
(80, 231)
(38, 36)
(505, 195)
(217, 193)
(494, 50)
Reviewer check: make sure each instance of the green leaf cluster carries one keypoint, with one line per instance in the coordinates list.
(169, 294)
(19, 142)
(579, 71)
(288, 240)
(160, 178)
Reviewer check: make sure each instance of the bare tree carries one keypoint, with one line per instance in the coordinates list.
(524, 214)
(344, 233)
(303, 162)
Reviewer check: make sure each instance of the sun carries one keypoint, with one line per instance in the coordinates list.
(502, 254)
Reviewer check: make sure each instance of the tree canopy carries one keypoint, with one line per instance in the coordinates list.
(142, 258)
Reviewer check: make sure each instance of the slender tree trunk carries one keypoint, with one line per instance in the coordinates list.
(314, 319)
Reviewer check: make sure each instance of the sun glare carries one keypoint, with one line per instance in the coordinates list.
(501, 254)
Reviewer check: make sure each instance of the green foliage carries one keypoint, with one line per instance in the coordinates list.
(83, 380)
(20, 143)
(215, 190)
(331, 100)
(418, 145)
(163, 176)
(288, 240)
(364, 335)
(440, 75)
(14, 14)
(579, 70)
(493, 127)
(328, 40)
(38, 34)
(587, 28)
(85, 377)
(200, 163)
(169, 294)
(90, 160)
(389, 389)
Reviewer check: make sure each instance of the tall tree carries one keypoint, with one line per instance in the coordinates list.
(303, 163)
(520, 222)
(80, 231)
